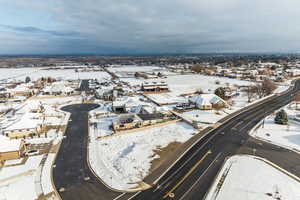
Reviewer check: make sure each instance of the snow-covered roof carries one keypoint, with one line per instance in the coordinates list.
(129, 102)
(58, 87)
(20, 88)
(26, 122)
(8, 145)
(206, 99)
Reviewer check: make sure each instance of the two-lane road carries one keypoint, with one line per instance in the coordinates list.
(188, 178)
(72, 176)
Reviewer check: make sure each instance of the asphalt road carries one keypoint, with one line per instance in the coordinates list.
(190, 177)
(193, 174)
(72, 177)
(84, 86)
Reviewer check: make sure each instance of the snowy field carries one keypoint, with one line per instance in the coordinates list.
(183, 84)
(267, 183)
(186, 84)
(122, 161)
(36, 73)
(134, 68)
(283, 135)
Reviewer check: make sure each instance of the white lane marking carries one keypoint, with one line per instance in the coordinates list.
(119, 196)
(200, 177)
(134, 195)
(188, 160)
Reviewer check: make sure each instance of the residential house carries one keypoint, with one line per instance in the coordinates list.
(155, 86)
(207, 101)
(58, 88)
(28, 125)
(148, 119)
(11, 149)
(127, 121)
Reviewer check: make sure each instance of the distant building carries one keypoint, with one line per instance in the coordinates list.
(58, 88)
(155, 86)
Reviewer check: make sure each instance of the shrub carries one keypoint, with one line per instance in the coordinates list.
(281, 117)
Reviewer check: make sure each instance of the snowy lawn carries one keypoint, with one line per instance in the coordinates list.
(18, 182)
(121, 161)
(56, 100)
(102, 125)
(283, 135)
(166, 98)
(204, 116)
(267, 183)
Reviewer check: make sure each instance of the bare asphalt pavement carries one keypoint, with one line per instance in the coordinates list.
(74, 180)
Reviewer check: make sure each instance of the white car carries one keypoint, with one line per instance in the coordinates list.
(32, 152)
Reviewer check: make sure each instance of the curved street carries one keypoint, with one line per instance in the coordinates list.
(72, 177)
(202, 161)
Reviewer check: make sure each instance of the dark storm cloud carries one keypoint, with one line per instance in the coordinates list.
(156, 26)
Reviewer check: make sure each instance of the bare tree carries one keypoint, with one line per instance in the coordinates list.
(268, 86)
(251, 92)
(218, 107)
(297, 99)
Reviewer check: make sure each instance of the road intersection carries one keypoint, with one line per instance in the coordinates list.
(194, 170)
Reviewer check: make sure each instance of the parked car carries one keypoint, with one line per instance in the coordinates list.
(32, 152)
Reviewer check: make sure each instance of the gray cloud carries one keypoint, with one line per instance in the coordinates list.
(190, 26)
(35, 30)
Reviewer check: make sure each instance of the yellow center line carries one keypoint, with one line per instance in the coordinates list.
(187, 175)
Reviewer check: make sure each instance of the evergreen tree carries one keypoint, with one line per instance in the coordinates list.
(281, 117)
(220, 92)
(27, 79)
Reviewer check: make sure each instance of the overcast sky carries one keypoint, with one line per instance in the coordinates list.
(148, 26)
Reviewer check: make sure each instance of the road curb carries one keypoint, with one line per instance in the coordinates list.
(93, 171)
(224, 120)
(215, 183)
(68, 115)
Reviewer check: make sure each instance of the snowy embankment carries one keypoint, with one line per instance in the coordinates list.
(46, 174)
(122, 161)
(287, 136)
(236, 180)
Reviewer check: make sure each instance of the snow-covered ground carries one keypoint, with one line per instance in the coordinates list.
(183, 84)
(287, 136)
(18, 182)
(46, 175)
(250, 178)
(134, 68)
(36, 73)
(166, 98)
(204, 116)
(133, 81)
(121, 161)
